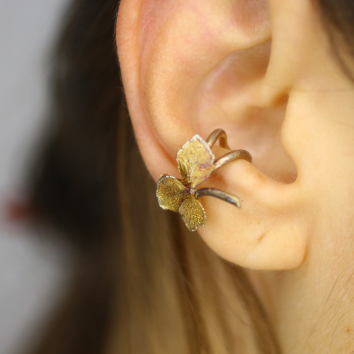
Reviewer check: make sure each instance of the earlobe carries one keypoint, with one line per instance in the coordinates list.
(268, 232)
(192, 66)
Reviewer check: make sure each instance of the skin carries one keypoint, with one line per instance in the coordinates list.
(264, 72)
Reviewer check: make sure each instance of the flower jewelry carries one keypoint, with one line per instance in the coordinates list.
(196, 162)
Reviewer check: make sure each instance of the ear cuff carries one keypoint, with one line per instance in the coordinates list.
(196, 162)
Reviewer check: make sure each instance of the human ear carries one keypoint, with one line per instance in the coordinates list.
(190, 66)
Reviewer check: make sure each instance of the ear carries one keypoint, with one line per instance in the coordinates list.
(190, 66)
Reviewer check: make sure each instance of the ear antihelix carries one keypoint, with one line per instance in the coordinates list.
(196, 162)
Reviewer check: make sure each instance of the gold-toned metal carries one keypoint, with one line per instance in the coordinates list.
(232, 156)
(218, 134)
(196, 162)
(170, 193)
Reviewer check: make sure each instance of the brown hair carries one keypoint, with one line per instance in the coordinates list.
(142, 283)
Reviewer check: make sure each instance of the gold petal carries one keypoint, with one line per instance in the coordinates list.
(170, 192)
(193, 213)
(195, 161)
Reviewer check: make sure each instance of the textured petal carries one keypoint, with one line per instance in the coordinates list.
(195, 161)
(170, 192)
(193, 214)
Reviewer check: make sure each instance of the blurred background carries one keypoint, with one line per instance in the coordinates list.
(31, 271)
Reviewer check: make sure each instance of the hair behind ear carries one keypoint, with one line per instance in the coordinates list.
(73, 182)
(338, 20)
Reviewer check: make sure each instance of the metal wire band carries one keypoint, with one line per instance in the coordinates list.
(226, 197)
(232, 156)
(218, 134)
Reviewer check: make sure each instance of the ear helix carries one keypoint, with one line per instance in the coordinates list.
(196, 162)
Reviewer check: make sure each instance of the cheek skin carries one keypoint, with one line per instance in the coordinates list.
(318, 133)
(321, 137)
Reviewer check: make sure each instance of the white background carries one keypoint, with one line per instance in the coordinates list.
(30, 272)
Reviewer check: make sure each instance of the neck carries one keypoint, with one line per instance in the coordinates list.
(311, 307)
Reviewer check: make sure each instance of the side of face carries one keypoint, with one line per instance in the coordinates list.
(263, 71)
